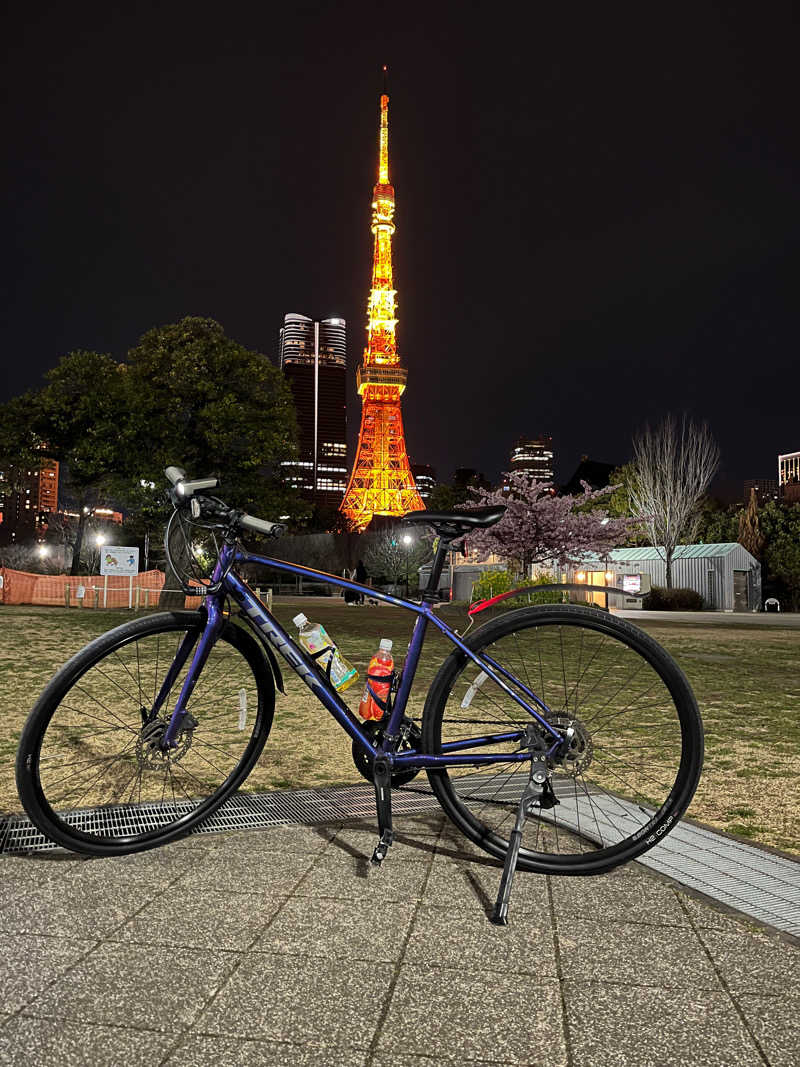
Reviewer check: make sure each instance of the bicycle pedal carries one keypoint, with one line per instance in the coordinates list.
(382, 848)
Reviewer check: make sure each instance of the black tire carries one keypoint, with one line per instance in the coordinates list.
(95, 708)
(633, 768)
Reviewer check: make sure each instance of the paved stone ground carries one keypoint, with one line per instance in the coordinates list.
(263, 948)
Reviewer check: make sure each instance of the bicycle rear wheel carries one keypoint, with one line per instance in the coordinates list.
(636, 751)
(90, 772)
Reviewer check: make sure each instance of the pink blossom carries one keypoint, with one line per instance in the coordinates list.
(539, 527)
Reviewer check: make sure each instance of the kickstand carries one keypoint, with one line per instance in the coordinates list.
(538, 793)
(382, 776)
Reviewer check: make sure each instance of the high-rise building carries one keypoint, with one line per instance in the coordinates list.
(313, 358)
(534, 454)
(424, 478)
(788, 469)
(25, 512)
(765, 489)
(381, 482)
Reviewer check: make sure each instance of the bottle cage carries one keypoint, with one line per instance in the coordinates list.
(384, 705)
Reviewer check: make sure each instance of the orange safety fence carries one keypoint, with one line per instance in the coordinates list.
(89, 591)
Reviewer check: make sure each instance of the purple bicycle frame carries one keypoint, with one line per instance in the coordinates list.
(270, 630)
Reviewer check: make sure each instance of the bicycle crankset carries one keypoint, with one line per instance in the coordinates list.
(411, 739)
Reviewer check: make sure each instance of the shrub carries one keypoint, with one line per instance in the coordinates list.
(493, 583)
(661, 599)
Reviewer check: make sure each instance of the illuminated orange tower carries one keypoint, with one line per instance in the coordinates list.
(381, 482)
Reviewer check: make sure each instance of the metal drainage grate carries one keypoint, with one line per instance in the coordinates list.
(243, 811)
(760, 884)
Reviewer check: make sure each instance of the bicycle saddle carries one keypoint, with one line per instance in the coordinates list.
(451, 524)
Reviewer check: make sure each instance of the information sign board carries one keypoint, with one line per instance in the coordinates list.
(117, 560)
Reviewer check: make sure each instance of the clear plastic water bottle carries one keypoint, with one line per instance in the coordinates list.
(314, 637)
(380, 666)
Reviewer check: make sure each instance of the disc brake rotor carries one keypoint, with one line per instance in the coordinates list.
(149, 752)
(578, 756)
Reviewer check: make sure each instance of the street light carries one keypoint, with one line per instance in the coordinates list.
(407, 541)
(100, 540)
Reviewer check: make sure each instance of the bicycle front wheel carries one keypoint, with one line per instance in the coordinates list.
(636, 746)
(90, 772)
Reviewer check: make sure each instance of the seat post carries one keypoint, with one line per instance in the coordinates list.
(436, 569)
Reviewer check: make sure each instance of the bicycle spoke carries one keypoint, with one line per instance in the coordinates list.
(625, 745)
(99, 751)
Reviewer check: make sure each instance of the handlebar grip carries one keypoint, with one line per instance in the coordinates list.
(175, 474)
(262, 526)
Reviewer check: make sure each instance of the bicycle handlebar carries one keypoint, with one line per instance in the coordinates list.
(175, 474)
(262, 526)
(186, 490)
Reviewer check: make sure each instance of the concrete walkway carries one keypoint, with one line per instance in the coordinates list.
(785, 620)
(266, 948)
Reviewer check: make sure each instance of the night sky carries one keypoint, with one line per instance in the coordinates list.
(596, 205)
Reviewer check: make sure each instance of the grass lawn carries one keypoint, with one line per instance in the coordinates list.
(746, 678)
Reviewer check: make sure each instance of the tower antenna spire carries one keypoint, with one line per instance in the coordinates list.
(381, 481)
(385, 80)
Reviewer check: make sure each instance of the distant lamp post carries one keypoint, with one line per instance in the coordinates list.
(100, 540)
(43, 551)
(609, 576)
(408, 540)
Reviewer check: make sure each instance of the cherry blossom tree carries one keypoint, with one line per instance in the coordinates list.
(539, 527)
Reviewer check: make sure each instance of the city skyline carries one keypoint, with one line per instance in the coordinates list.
(590, 237)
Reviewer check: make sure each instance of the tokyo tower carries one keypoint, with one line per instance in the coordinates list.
(381, 482)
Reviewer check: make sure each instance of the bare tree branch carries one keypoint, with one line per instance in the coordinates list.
(672, 469)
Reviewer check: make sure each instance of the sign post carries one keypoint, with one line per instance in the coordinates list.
(122, 561)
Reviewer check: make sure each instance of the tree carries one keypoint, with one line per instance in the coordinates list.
(80, 418)
(19, 443)
(672, 470)
(445, 498)
(390, 556)
(541, 528)
(717, 523)
(780, 525)
(750, 535)
(200, 400)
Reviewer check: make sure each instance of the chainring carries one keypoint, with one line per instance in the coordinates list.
(373, 731)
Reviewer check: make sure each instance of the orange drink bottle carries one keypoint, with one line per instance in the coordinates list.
(380, 667)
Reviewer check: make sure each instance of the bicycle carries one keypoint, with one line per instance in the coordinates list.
(558, 738)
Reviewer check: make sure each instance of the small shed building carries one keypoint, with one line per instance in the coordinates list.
(726, 575)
